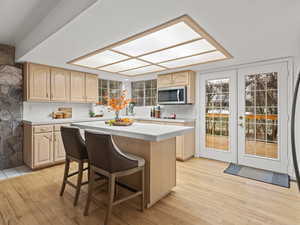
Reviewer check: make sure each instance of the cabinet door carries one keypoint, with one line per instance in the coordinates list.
(43, 149)
(77, 87)
(181, 78)
(91, 88)
(39, 83)
(59, 150)
(164, 80)
(60, 85)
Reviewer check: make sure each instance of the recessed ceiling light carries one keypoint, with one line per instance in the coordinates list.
(124, 65)
(192, 48)
(100, 59)
(164, 38)
(188, 61)
(143, 70)
(177, 43)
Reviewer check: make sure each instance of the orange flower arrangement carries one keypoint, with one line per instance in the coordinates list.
(117, 104)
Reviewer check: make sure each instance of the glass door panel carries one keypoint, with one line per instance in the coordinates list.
(263, 91)
(217, 129)
(216, 117)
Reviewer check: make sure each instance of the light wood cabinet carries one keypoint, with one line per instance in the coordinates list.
(165, 80)
(91, 88)
(185, 144)
(60, 85)
(59, 150)
(37, 78)
(43, 149)
(45, 83)
(78, 87)
(43, 145)
(181, 78)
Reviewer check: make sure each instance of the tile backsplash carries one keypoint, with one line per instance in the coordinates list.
(42, 111)
(182, 111)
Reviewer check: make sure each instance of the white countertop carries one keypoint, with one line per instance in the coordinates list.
(144, 131)
(87, 119)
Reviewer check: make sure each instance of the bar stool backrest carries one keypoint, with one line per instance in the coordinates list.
(104, 154)
(73, 142)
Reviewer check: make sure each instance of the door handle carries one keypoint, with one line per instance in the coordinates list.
(177, 95)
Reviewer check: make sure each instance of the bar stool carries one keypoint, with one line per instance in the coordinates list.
(75, 151)
(108, 160)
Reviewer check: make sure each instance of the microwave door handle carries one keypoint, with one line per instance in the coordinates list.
(178, 95)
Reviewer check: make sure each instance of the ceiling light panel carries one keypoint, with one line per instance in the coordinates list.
(125, 65)
(204, 58)
(100, 59)
(166, 37)
(143, 70)
(180, 51)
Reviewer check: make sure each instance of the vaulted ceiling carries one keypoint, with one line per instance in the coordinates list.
(250, 30)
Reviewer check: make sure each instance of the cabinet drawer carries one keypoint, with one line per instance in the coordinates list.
(57, 126)
(42, 129)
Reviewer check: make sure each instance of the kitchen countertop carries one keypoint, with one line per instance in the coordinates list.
(144, 131)
(88, 119)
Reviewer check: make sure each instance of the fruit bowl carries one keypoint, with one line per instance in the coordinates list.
(120, 122)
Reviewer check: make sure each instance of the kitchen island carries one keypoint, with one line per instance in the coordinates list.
(156, 144)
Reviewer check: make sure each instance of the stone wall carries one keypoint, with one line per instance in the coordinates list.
(11, 110)
(7, 55)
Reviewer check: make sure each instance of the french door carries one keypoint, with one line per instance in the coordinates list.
(245, 116)
(218, 116)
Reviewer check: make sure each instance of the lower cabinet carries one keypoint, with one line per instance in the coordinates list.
(43, 146)
(185, 144)
(43, 149)
(59, 150)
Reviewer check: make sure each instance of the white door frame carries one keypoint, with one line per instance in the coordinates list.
(280, 164)
(231, 155)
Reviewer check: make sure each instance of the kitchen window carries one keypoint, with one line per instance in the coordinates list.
(144, 93)
(110, 88)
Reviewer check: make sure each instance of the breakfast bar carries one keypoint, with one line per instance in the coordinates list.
(153, 142)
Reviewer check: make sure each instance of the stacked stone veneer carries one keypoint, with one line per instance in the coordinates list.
(11, 132)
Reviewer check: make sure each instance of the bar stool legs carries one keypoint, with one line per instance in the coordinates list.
(112, 184)
(66, 172)
(90, 192)
(79, 182)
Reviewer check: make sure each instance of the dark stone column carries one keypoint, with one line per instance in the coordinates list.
(11, 114)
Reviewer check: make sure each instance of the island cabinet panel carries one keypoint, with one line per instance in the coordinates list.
(60, 85)
(37, 78)
(91, 88)
(43, 145)
(160, 166)
(181, 78)
(185, 144)
(78, 87)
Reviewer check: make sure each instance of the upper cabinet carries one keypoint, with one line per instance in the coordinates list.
(60, 85)
(37, 79)
(45, 83)
(77, 87)
(181, 78)
(91, 87)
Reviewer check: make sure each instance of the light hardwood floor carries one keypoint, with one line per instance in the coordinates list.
(204, 196)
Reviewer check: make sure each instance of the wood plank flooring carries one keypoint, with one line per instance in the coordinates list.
(204, 196)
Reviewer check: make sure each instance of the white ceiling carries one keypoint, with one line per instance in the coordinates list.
(18, 18)
(250, 30)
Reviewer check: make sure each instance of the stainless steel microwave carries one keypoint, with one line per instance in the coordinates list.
(172, 95)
